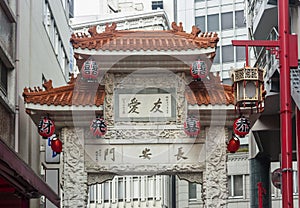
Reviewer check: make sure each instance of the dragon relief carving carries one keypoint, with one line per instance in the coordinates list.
(74, 178)
(215, 182)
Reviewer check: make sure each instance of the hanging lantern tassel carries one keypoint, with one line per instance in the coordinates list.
(46, 127)
(98, 127)
(233, 145)
(56, 145)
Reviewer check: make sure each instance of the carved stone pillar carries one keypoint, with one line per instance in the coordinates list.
(215, 176)
(74, 178)
(109, 91)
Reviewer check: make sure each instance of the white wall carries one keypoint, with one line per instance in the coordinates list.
(37, 57)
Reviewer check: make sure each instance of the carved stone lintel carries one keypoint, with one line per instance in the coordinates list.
(94, 178)
(191, 177)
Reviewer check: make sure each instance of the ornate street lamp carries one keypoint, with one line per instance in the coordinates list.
(248, 88)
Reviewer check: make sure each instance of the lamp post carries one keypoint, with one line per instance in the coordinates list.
(286, 60)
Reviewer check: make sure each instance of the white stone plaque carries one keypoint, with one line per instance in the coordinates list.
(164, 157)
(145, 105)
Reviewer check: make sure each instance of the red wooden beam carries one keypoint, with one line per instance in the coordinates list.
(261, 43)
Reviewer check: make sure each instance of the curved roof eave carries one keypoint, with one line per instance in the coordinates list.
(94, 52)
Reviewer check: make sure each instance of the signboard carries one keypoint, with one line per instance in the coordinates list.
(50, 155)
(139, 158)
(144, 106)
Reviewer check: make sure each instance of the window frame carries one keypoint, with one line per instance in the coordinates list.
(212, 27)
(237, 21)
(3, 78)
(192, 191)
(155, 5)
(231, 186)
(223, 18)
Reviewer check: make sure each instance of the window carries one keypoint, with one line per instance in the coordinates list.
(217, 57)
(213, 22)
(240, 53)
(6, 30)
(235, 185)
(200, 23)
(107, 191)
(227, 53)
(121, 189)
(71, 8)
(92, 194)
(136, 188)
(192, 191)
(55, 39)
(151, 188)
(3, 77)
(227, 20)
(157, 5)
(295, 182)
(239, 19)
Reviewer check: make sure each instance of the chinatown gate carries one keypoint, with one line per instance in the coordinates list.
(159, 118)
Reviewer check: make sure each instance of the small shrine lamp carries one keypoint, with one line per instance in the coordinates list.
(248, 88)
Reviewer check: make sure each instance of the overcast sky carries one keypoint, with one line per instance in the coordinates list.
(85, 7)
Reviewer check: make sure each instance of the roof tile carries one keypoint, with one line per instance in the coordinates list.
(80, 93)
(77, 93)
(163, 40)
(210, 91)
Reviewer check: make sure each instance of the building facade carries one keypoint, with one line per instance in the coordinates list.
(227, 18)
(34, 45)
(265, 144)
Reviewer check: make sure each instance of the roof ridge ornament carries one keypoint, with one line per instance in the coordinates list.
(195, 31)
(48, 85)
(177, 28)
(111, 28)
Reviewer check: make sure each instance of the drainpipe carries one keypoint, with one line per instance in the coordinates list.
(17, 39)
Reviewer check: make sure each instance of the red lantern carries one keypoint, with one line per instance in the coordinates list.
(98, 127)
(89, 69)
(199, 70)
(241, 126)
(233, 145)
(192, 126)
(56, 145)
(46, 127)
